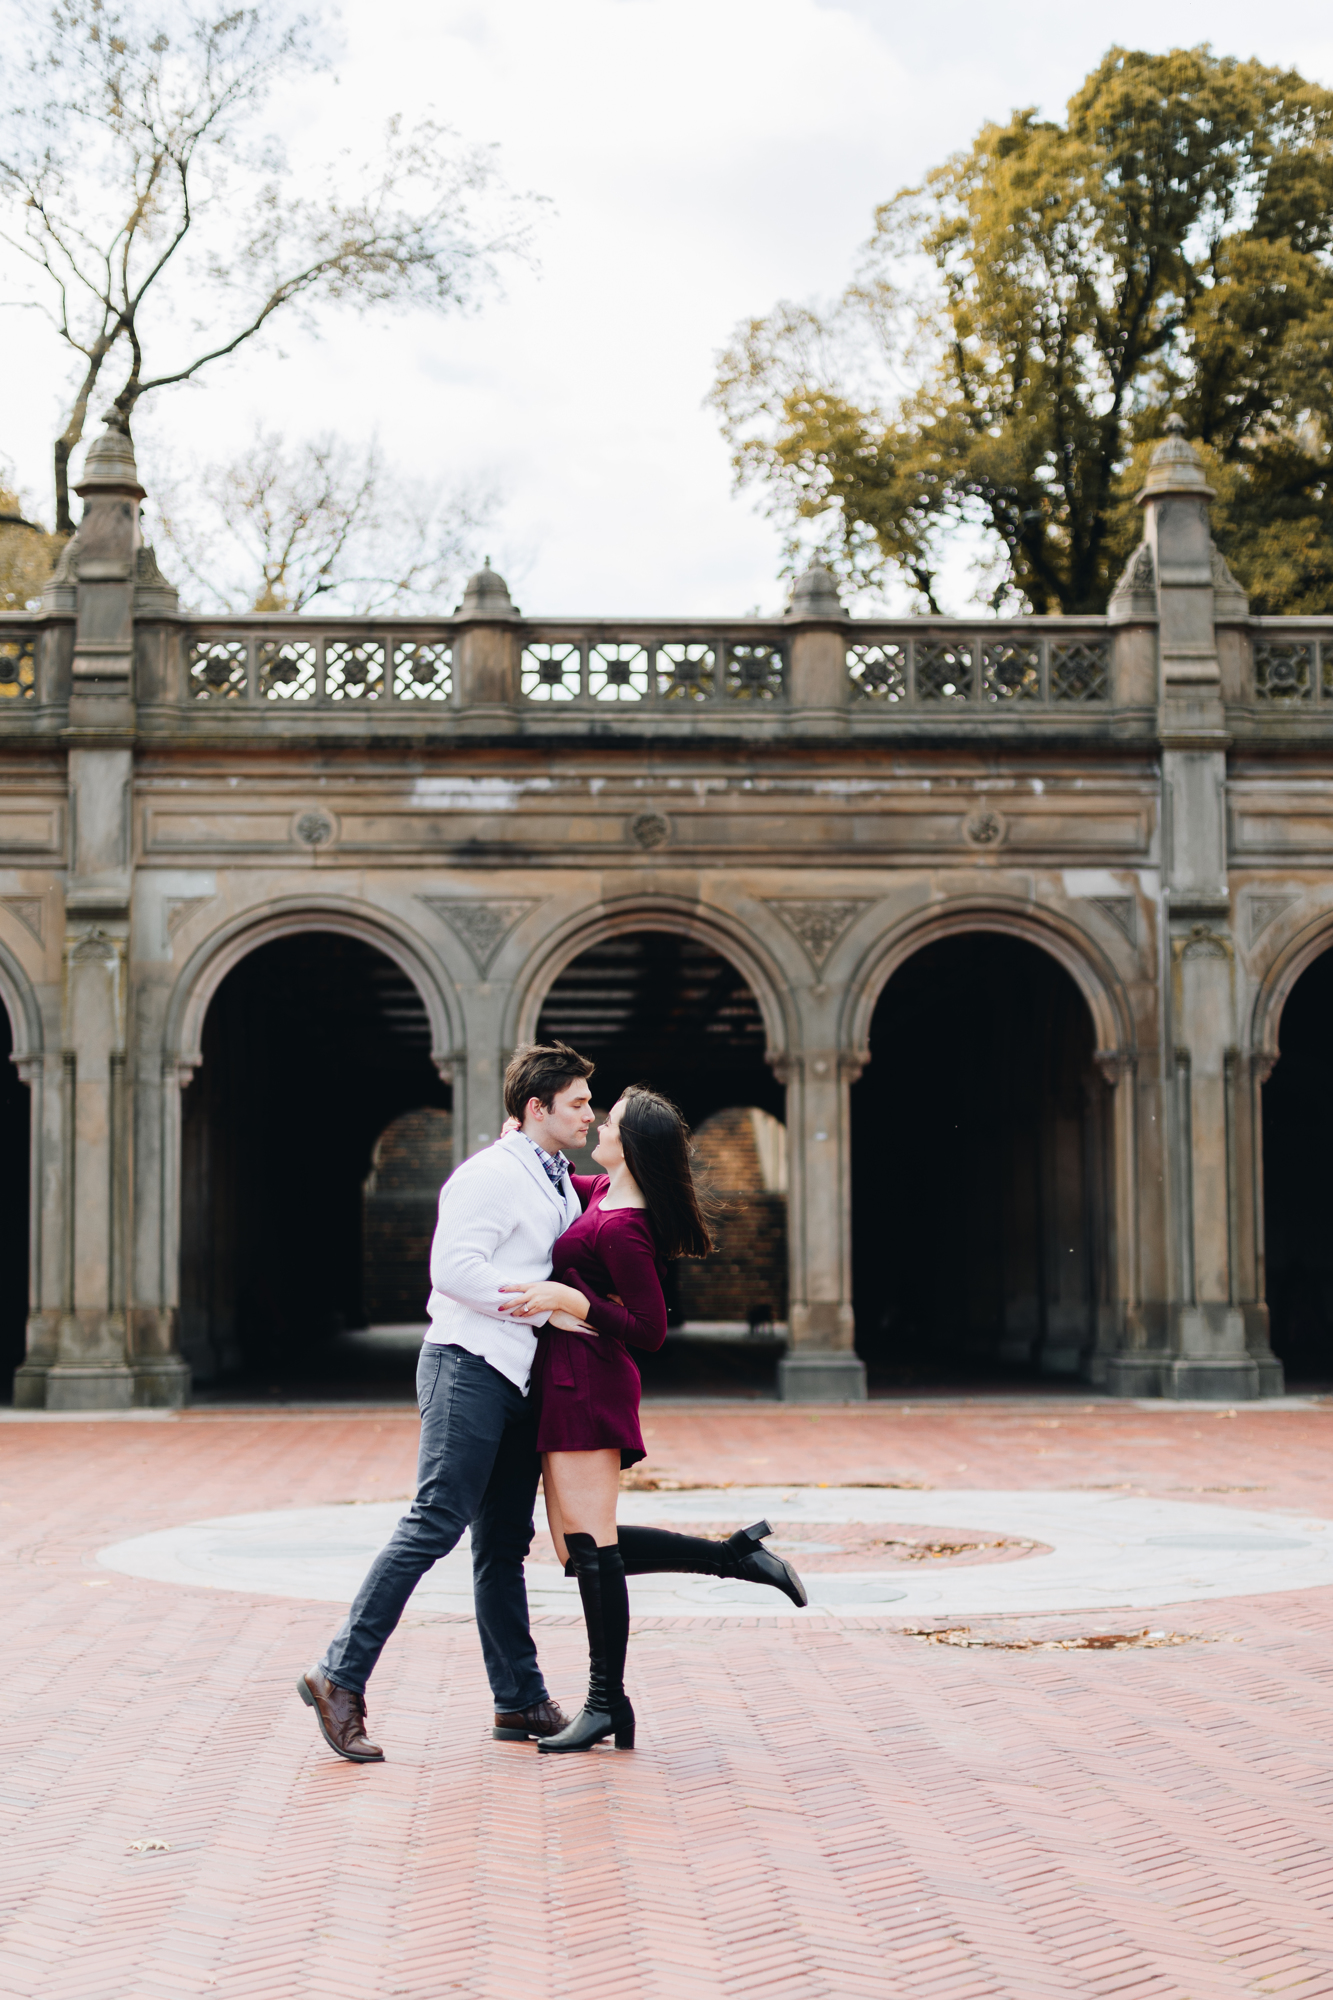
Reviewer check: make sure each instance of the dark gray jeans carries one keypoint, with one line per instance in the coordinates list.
(476, 1467)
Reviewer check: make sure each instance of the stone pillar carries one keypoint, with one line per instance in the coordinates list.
(1207, 1353)
(94, 1360)
(817, 683)
(821, 1364)
(486, 655)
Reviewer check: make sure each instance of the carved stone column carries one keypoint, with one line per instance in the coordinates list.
(93, 1366)
(818, 652)
(1207, 1347)
(821, 1364)
(486, 655)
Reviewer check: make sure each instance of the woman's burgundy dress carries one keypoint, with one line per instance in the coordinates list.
(588, 1383)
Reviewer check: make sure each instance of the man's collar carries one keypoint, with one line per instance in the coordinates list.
(554, 1165)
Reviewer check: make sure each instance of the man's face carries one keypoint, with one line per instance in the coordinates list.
(566, 1124)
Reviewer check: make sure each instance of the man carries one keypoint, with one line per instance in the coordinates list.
(500, 1213)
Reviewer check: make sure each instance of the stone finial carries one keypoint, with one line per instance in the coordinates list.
(815, 595)
(1230, 601)
(154, 596)
(62, 586)
(1175, 467)
(487, 596)
(109, 466)
(1134, 599)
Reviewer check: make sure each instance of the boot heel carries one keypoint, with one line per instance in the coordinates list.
(746, 1540)
(305, 1693)
(624, 1737)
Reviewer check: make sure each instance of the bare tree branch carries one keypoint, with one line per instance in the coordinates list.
(280, 528)
(145, 193)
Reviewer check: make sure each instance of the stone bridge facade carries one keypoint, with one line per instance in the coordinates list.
(1145, 797)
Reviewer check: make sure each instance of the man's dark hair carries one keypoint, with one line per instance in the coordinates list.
(540, 1069)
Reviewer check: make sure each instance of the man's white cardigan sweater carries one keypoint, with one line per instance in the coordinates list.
(498, 1221)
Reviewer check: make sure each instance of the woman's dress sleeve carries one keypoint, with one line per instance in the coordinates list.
(585, 1186)
(626, 1248)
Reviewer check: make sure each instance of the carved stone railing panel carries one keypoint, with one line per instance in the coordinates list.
(261, 667)
(1285, 670)
(995, 670)
(219, 669)
(552, 672)
(879, 672)
(1011, 671)
(288, 669)
(18, 667)
(423, 670)
(686, 672)
(353, 669)
(646, 671)
(1079, 670)
(619, 672)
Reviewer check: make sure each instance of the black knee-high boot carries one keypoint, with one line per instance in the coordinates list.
(606, 1712)
(652, 1551)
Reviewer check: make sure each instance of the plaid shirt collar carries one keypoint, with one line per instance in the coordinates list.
(554, 1165)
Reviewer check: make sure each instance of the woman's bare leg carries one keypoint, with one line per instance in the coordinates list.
(581, 1489)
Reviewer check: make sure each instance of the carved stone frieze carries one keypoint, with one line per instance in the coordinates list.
(1265, 910)
(95, 946)
(177, 910)
(818, 921)
(1202, 943)
(483, 927)
(28, 911)
(1122, 911)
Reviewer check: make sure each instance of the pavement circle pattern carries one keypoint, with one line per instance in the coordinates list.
(1103, 1551)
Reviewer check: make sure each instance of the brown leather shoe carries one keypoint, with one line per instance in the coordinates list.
(544, 1718)
(341, 1716)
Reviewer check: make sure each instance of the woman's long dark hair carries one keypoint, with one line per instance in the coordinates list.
(656, 1140)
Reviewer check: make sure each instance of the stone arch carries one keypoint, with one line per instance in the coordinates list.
(716, 929)
(21, 1005)
(1026, 1311)
(221, 952)
(1072, 948)
(1290, 960)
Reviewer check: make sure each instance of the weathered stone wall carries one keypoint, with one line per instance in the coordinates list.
(746, 1276)
(413, 1159)
(1147, 798)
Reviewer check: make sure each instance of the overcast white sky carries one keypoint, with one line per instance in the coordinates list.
(703, 158)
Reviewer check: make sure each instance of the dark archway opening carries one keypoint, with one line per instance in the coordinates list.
(665, 1010)
(312, 1046)
(1298, 1180)
(978, 1148)
(14, 1177)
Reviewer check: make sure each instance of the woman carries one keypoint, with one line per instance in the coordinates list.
(605, 1292)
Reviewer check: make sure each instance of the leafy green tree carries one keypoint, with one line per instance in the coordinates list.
(27, 552)
(1024, 322)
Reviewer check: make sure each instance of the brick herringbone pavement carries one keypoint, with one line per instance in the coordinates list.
(818, 1807)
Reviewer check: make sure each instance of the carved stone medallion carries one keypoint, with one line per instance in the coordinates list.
(314, 828)
(483, 927)
(818, 922)
(985, 828)
(649, 829)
